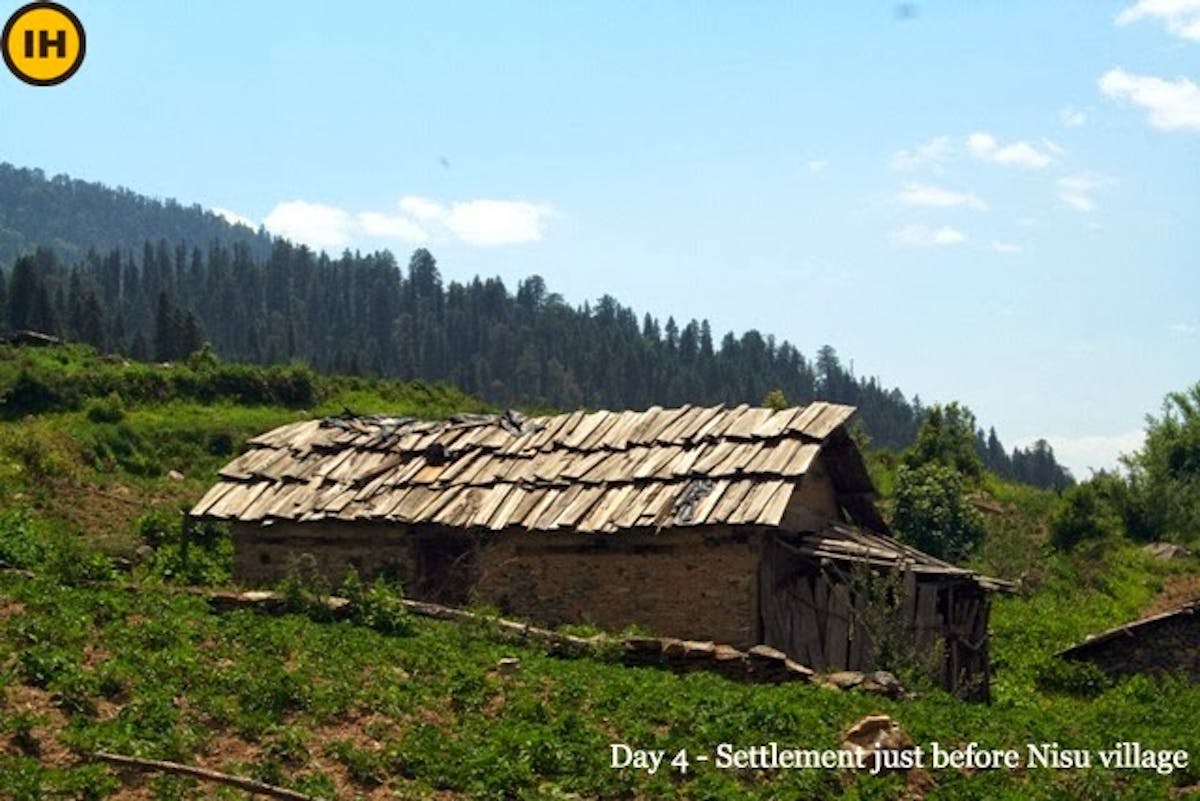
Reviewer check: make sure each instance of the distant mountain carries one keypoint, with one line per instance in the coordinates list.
(72, 216)
(156, 280)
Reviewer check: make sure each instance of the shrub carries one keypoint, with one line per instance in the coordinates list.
(185, 551)
(379, 606)
(932, 512)
(108, 409)
(1089, 511)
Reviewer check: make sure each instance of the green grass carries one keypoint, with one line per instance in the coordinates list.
(421, 710)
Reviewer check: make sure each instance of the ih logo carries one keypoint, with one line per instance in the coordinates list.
(43, 44)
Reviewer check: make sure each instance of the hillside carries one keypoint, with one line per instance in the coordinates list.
(417, 708)
(74, 216)
(164, 278)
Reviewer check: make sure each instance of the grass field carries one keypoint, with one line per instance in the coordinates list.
(416, 708)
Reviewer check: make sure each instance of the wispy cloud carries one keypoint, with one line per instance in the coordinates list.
(1187, 329)
(1171, 105)
(816, 165)
(1019, 154)
(1006, 248)
(926, 154)
(1181, 16)
(1077, 190)
(924, 236)
(1072, 117)
(417, 220)
(916, 194)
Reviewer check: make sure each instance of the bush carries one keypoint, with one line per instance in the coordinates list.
(932, 512)
(379, 606)
(1088, 512)
(200, 555)
(108, 409)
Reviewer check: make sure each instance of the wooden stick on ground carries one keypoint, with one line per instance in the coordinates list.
(240, 782)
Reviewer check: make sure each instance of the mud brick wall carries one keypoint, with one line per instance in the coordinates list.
(1163, 646)
(261, 555)
(690, 584)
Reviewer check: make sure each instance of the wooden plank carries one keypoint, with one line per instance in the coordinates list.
(811, 647)
(830, 418)
(731, 500)
(210, 498)
(549, 518)
(609, 504)
(579, 507)
(837, 627)
(706, 504)
(792, 458)
(746, 424)
(657, 508)
(673, 434)
(729, 418)
(587, 426)
(596, 438)
(713, 456)
(774, 424)
(642, 424)
(705, 431)
(751, 507)
(776, 505)
(507, 511)
(682, 464)
(703, 418)
(926, 615)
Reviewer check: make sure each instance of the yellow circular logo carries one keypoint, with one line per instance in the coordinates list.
(43, 44)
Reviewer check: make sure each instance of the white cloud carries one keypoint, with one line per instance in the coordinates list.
(1007, 248)
(1092, 452)
(484, 222)
(916, 194)
(391, 226)
(931, 153)
(1172, 105)
(1019, 154)
(1187, 329)
(1182, 16)
(1071, 117)
(924, 236)
(475, 222)
(234, 218)
(314, 224)
(817, 165)
(1077, 190)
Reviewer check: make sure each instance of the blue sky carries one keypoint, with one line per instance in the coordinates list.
(994, 202)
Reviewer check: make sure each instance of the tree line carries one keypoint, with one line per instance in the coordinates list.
(363, 314)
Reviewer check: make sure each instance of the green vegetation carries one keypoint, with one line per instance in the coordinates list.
(388, 705)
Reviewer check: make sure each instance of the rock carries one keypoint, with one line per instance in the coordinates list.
(508, 666)
(1166, 551)
(175, 475)
(873, 733)
(882, 683)
(845, 679)
(143, 553)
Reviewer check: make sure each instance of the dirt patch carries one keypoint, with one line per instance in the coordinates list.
(1176, 591)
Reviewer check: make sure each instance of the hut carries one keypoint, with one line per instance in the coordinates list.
(1168, 642)
(738, 525)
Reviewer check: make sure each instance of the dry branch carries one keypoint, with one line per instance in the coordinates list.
(240, 782)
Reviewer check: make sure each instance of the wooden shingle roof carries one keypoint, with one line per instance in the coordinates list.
(584, 471)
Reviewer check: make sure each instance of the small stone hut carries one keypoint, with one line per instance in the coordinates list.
(738, 525)
(1168, 642)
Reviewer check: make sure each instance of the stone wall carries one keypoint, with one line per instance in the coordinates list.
(1165, 645)
(687, 584)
